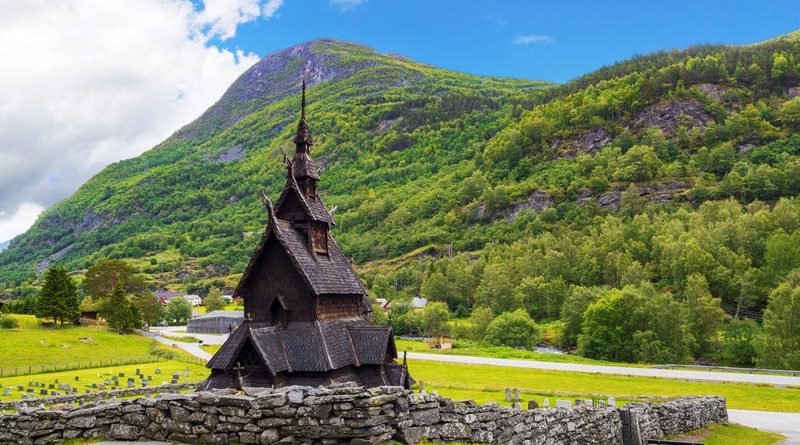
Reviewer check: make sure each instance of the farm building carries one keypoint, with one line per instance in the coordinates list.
(308, 320)
(215, 322)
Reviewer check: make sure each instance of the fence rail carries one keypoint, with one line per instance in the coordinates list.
(82, 364)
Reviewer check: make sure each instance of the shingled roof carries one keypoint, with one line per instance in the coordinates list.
(314, 207)
(310, 347)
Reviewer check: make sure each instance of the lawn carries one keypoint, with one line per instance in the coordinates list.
(98, 376)
(731, 434)
(468, 348)
(42, 348)
(211, 349)
(484, 383)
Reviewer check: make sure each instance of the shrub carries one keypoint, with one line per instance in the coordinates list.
(515, 329)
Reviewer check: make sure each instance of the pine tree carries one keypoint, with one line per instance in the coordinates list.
(119, 312)
(58, 299)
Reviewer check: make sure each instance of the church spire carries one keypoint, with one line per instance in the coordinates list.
(303, 139)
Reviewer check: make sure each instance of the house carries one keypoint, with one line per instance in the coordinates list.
(418, 303)
(307, 317)
(194, 300)
(384, 303)
(164, 296)
(215, 322)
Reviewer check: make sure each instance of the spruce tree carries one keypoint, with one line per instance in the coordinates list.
(119, 312)
(58, 298)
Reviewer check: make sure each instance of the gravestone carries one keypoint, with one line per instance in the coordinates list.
(77, 378)
(19, 388)
(563, 403)
(122, 374)
(422, 388)
(516, 395)
(51, 386)
(580, 402)
(508, 394)
(149, 378)
(6, 392)
(185, 374)
(107, 382)
(138, 371)
(532, 404)
(612, 401)
(30, 390)
(158, 370)
(43, 392)
(546, 403)
(130, 384)
(174, 381)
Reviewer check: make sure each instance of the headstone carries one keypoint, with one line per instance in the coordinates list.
(601, 403)
(516, 395)
(508, 394)
(19, 388)
(30, 390)
(158, 370)
(106, 382)
(516, 405)
(173, 381)
(130, 384)
(138, 371)
(580, 402)
(43, 392)
(612, 401)
(563, 403)
(74, 390)
(51, 386)
(122, 374)
(546, 403)
(532, 404)
(150, 378)
(422, 387)
(6, 392)
(186, 374)
(41, 406)
(77, 378)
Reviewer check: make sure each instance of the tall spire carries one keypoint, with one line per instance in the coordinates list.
(303, 139)
(302, 165)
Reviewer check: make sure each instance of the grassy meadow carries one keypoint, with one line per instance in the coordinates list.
(87, 377)
(484, 383)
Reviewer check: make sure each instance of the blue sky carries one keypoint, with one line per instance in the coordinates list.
(554, 41)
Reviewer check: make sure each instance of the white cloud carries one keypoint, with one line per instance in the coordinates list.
(346, 5)
(531, 38)
(11, 225)
(271, 7)
(85, 83)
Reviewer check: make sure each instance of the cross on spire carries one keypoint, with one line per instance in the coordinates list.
(303, 139)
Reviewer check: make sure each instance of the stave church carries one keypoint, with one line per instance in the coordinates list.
(307, 317)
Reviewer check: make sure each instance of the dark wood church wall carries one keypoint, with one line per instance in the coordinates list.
(331, 307)
(273, 275)
(291, 209)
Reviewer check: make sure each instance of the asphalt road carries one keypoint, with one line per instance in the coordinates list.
(775, 380)
(787, 424)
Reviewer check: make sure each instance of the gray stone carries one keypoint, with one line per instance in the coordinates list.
(124, 432)
(269, 436)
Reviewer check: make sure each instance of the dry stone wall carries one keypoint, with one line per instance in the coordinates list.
(344, 414)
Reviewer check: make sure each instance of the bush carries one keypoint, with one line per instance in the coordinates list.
(8, 322)
(737, 342)
(515, 329)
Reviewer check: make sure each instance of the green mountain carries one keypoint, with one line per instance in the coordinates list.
(607, 180)
(385, 126)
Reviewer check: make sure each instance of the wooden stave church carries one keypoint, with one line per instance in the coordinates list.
(308, 320)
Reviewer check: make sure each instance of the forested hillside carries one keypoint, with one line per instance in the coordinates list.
(623, 208)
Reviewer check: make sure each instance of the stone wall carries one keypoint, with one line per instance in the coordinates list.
(345, 414)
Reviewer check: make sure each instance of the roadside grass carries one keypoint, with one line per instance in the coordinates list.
(86, 377)
(485, 383)
(731, 434)
(24, 321)
(186, 339)
(476, 350)
(211, 349)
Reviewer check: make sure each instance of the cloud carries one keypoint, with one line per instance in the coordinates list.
(87, 83)
(271, 7)
(346, 5)
(531, 38)
(10, 225)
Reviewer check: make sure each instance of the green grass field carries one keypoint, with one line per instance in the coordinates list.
(86, 377)
(42, 348)
(467, 348)
(487, 384)
(211, 349)
(731, 434)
